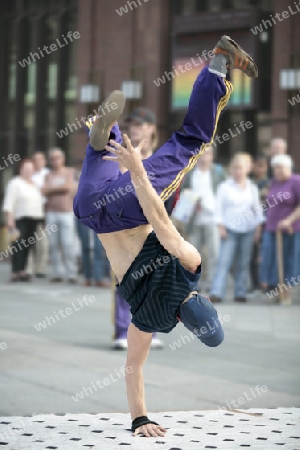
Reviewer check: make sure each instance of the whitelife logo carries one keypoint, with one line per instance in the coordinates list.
(132, 5)
(294, 100)
(53, 47)
(82, 121)
(9, 160)
(279, 17)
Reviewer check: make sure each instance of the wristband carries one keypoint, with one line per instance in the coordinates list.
(139, 421)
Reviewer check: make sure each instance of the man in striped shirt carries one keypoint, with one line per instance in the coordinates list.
(157, 270)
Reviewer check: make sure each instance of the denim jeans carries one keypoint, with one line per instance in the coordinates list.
(206, 236)
(291, 256)
(235, 251)
(95, 264)
(61, 244)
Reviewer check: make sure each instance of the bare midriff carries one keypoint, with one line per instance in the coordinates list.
(122, 247)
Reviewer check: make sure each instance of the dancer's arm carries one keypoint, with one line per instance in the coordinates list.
(153, 207)
(138, 349)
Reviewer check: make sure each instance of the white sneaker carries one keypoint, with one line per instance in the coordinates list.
(255, 294)
(157, 343)
(120, 344)
(100, 130)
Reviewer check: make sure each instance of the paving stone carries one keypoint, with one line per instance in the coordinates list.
(252, 429)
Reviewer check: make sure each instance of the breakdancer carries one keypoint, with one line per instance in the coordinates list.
(157, 270)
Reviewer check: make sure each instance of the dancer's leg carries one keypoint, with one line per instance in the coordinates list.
(106, 200)
(167, 167)
(179, 155)
(96, 172)
(172, 161)
(210, 95)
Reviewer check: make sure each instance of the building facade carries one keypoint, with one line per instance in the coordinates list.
(146, 42)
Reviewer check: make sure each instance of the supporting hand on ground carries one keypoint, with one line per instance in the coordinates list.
(150, 430)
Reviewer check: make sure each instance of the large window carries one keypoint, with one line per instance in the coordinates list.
(189, 7)
(41, 84)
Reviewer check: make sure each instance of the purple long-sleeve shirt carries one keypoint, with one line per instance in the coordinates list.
(282, 199)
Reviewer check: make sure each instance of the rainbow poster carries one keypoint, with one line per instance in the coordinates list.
(183, 82)
(185, 72)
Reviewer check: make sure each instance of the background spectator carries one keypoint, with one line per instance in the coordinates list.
(38, 259)
(142, 125)
(239, 217)
(260, 178)
(278, 146)
(59, 189)
(95, 265)
(283, 214)
(23, 205)
(203, 230)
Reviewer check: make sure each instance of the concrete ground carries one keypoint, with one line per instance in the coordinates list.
(70, 367)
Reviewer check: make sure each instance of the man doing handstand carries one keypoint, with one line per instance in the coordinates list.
(157, 270)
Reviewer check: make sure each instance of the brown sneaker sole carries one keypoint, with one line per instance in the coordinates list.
(238, 58)
(102, 126)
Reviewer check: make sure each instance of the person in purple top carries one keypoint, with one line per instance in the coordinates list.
(283, 213)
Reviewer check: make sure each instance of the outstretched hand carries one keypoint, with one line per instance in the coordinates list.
(129, 157)
(150, 430)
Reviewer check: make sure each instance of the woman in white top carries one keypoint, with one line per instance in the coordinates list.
(239, 216)
(23, 205)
